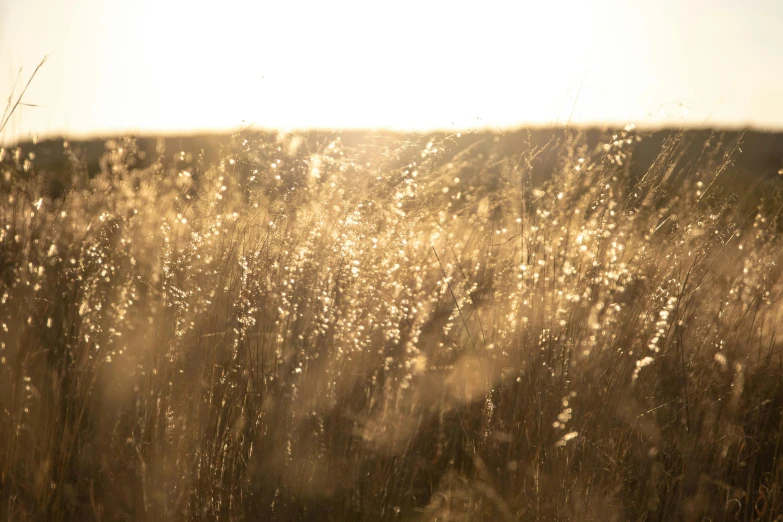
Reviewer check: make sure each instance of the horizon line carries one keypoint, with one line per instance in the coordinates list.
(486, 129)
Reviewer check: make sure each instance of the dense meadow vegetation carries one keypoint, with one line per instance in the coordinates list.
(411, 327)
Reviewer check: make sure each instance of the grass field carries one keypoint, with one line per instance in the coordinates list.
(411, 327)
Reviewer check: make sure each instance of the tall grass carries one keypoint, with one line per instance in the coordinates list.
(409, 329)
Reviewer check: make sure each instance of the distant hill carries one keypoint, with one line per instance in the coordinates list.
(754, 154)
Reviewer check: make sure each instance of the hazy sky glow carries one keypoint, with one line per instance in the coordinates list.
(177, 65)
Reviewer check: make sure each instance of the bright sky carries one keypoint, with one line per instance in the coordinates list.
(190, 65)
